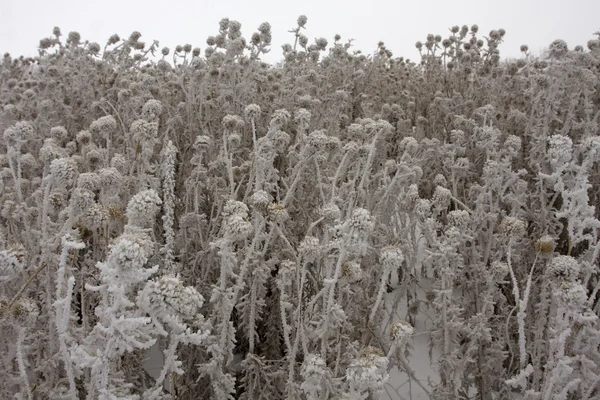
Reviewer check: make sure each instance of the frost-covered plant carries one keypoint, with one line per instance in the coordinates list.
(339, 225)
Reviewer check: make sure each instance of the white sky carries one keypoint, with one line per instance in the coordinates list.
(398, 23)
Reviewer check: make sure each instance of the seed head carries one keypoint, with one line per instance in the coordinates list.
(563, 269)
(302, 21)
(512, 227)
(401, 331)
(545, 244)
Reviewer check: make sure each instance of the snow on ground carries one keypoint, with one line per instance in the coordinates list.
(400, 386)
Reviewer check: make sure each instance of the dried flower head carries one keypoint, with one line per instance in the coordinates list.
(261, 199)
(236, 223)
(281, 140)
(441, 198)
(309, 248)
(25, 311)
(88, 180)
(423, 209)
(409, 145)
(278, 212)
(12, 262)
(110, 178)
(51, 151)
(19, 133)
(104, 125)
(572, 295)
(95, 156)
(63, 171)
(361, 222)
(152, 109)
(319, 140)
(401, 331)
(115, 212)
(314, 374)
(84, 138)
(330, 212)
(591, 148)
(512, 227)
(563, 269)
(302, 117)
(95, 217)
(545, 244)
(352, 271)
(142, 208)
(512, 144)
(558, 48)
(169, 300)
(440, 180)
(232, 122)
(559, 150)
(143, 131)
(252, 111)
(279, 119)
(369, 370)
(498, 269)
(119, 162)
(202, 142)
(302, 21)
(81, 200)
(131, 250)
(391, 257)
(59, 133)
(458, 218)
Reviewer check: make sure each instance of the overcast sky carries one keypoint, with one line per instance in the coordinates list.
(398, 23)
